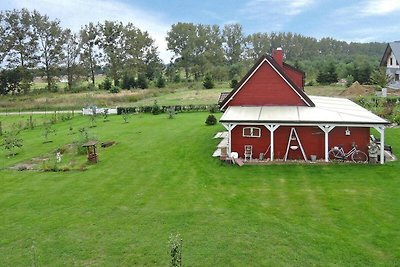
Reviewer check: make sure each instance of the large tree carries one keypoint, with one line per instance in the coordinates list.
(50, 38)
(71, 53)
(234, 42)
(90, 55)
(181, 41)
(112, 44)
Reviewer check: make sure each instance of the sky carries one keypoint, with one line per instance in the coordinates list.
(348, 20)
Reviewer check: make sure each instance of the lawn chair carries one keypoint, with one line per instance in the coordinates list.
(248, 152)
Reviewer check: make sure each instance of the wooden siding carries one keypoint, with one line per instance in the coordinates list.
(312, 138)
(295, 76)
(266, 88)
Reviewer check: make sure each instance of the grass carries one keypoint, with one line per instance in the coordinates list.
(160, 179)
(175, 94)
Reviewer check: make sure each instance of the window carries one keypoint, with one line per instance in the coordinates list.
(396, 77)
(391, 61)
(251, 132)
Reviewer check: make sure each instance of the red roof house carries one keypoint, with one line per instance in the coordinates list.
(269, 113)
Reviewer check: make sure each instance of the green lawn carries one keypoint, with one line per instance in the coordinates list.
(160, 179)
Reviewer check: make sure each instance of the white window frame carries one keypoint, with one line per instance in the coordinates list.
(254, 132)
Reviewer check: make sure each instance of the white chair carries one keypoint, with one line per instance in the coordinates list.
(248, 152)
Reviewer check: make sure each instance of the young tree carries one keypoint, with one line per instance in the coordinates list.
(11, 141)
(50, 37)
(379, 77)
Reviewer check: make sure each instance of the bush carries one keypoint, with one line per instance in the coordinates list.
(349, 80)
(208, 82)
(160, 82)
(213, 109)
(211, 120)
(115, 89)
(233, 83)
(156, 108)
(107, 84)
(142, 82)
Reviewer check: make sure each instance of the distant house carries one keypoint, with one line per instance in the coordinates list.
(269, 113)
(390, 60)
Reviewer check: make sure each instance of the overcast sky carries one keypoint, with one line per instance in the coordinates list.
(349, 20)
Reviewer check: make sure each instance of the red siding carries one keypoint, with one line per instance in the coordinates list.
(295, 76)
(311, 137)
(266, 88)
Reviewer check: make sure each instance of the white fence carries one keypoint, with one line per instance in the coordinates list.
(95, 110)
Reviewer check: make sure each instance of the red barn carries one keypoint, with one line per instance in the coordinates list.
(269, 113)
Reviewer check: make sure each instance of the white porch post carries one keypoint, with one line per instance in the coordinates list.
(229, 127)
(326, 129)
(381, 130)
(271, 128)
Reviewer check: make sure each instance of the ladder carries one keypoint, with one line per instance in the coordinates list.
(294, 143)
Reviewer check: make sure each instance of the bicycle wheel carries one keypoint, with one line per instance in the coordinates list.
(335, 154)
(359, 157)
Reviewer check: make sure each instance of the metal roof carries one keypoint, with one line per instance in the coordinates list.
(326, 110)
(395, 48)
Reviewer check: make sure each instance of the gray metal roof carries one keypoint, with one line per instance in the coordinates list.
(395, 49)
(326, 110)
(391, 47)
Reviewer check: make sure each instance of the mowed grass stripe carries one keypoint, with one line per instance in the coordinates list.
(160, 179)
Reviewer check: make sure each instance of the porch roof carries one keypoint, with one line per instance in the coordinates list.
(327, 110)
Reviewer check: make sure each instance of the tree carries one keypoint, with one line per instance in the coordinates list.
(208, 82)
(11, 141)
(181, 41)
(50, 38)
(112, 44)
(18, 39)
(160, 82)
(328, 74)
(12, 81)
(379, 77)
(142, 81)
(234, 43)
(71, 54)
(89, 43)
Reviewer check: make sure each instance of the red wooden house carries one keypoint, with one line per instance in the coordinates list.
(269, 113)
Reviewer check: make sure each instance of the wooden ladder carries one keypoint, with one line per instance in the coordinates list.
(293, 141)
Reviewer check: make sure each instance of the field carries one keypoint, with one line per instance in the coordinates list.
(160, 179)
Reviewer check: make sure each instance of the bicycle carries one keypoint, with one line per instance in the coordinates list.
(337, 153)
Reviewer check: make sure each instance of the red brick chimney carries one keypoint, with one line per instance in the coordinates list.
(278, 56)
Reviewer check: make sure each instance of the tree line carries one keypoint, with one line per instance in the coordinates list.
(32, 45)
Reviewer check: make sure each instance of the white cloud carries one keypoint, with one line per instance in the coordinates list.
(275, 13)
(380, 7)
(76, 13)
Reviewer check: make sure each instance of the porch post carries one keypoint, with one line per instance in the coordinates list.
(381, 130)
(271, 128)
(326, 129)
(230, 128)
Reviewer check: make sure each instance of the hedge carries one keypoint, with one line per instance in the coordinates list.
(164, 109)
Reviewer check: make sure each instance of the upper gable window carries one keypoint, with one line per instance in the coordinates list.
(391, 61)
(251, 132)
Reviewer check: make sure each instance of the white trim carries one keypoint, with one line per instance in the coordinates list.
(381, 130)
(252, 133)
(251, 75)
(326, 129)
(272, 128)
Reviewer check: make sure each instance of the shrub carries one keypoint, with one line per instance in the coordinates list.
(160, 82)
(156, 108)
(213, 109)
(115, 90)
(208, 82)
(349, 80)
(233, 83)
(107, 84)
(211, 120)
(142, 81)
